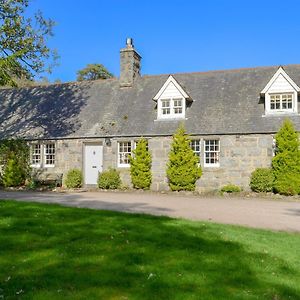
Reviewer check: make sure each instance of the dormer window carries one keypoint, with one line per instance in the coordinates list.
(281, 102)
(281, 94)
(171, 100)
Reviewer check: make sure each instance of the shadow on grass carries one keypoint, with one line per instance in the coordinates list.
(49, 251)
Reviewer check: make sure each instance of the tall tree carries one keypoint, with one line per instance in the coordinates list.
(140, 166)
(183, 168)
(93, 72)
(23, 49)
(286, 162)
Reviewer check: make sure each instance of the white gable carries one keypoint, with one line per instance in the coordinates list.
(281, 82)
(171, 89)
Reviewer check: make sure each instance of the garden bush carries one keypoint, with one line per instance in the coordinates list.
(262, 180)
(183, 168)
(14, 174)
(230, 188)
(140, 166)
(286, 162)
(109, 179)
(74, 179)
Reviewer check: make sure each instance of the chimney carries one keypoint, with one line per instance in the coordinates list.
(130, 64)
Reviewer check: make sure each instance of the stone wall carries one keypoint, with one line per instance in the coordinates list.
(239, 156)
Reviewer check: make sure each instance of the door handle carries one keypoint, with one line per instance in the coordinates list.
(94, 167)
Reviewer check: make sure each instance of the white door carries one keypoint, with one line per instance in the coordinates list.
(93, 162)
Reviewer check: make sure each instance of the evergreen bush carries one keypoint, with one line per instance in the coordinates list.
(74, 179)
(13, 173)
(18, 151)
(109, 179)
(140, 166)
(183, 168)
(230, 188)
(262, 180)
(286, 162)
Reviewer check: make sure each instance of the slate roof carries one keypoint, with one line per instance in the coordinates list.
(224, 102)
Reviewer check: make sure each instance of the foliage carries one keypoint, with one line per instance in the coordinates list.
(74, 179)
(18, 151)
(230, 188)
(183, 168)
(13, 173)
(262, 180)
(139, 256)
(93, 72)
(109, 179)
(286, 162)
(23, 52)
(140, 166)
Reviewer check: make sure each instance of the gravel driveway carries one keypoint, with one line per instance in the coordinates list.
(252, 212)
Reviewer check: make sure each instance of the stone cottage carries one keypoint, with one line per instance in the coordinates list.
(231, 115)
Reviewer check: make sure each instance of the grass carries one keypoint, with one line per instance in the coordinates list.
(55, 252)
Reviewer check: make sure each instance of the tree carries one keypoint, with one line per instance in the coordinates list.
(93, 72)
(140, 166)
(286, 162)
(23, 50)
(183, 168)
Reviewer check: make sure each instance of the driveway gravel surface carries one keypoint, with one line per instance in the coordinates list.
(273, 214)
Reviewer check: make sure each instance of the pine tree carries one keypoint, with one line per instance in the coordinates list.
(140, 166)
(13, 173)
(286, 162)
(183, 168)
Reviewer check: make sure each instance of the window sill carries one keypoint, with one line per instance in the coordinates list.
(170, 119)
(124, 166)
(280, 114)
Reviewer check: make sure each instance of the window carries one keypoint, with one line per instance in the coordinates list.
(124, 150)
(196, 147)
(171, 108)
(36, 155)
(177, 106)
(49, 154)
(165, 107)
(43, 155)
(212, 153)
(281, 102)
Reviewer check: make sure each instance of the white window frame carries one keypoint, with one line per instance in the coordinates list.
(280, 97)
(124, 165)
(34, 153)
(43, 155)
(194, 147)
(212, 165)
(46, 154)
(172, 107)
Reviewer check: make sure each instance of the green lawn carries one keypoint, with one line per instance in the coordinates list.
(54, 252)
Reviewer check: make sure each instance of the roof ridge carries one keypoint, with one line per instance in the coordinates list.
(221, 71)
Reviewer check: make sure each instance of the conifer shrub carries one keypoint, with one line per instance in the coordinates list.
(73, 179)
(140, 166)
(262, 180)
(230, 188)
(14, 174)
(109, 179)
(183, 169)
(14, 154)
(286, 162)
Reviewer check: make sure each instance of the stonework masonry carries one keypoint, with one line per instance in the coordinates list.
(239, 156)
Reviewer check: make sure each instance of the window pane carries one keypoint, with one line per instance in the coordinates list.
(124, 152)
(195, 145)
(50, 154)
(212, 151)
(36, 154)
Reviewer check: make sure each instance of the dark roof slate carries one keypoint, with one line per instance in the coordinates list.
(224, 102)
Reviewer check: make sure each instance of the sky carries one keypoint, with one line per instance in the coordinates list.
(173, 36)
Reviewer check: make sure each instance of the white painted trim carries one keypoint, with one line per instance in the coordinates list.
(206, 165)
(177, 85)
(277, 112)
(172, 115)
(280, 71)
